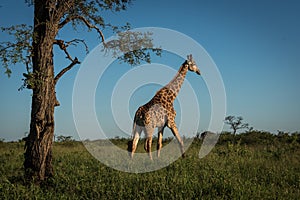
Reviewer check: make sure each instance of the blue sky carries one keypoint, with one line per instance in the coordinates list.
(255, 45)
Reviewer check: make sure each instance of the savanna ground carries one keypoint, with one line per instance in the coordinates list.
(258, 165)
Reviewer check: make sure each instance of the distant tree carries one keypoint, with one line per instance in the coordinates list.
(33, 46)
(62, 138)
(236, 123)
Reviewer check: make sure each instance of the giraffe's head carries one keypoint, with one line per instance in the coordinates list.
(192, 64)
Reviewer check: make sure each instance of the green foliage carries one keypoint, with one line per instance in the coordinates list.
(135, 46)
(230, 171)
(18, 51)
(91, 9)
(65, 141)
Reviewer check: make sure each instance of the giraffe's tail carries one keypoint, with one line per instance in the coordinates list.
(133, 129)
(134, 126)
(130, 142)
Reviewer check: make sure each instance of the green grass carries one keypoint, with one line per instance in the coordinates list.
(229, 172)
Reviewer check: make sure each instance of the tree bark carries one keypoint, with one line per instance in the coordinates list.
(38, 146)
(38, 152)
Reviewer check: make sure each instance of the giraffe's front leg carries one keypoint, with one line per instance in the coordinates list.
(159, 140)
(148, 143)
(175, 132)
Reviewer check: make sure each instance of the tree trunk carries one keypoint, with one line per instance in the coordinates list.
(38, 146)
(38, 153)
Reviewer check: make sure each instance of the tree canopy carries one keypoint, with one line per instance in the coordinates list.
(135, 46)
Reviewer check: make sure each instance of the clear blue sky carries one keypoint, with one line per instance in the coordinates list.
(255, 44)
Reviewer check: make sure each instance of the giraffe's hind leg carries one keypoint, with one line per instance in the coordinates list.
(132, 145)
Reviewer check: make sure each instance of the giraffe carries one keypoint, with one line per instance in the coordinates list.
(159, 112)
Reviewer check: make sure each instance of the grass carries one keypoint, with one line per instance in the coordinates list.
(230, 171)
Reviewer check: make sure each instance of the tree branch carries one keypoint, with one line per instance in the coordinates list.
(63, 47)
(77, 41)
(63, 71)
(85, 21)
(66, 21)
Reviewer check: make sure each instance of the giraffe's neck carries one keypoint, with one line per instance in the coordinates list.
(173, 87)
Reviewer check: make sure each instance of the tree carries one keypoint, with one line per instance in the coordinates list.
(236, 123)
(62, 138)
(33, 46)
